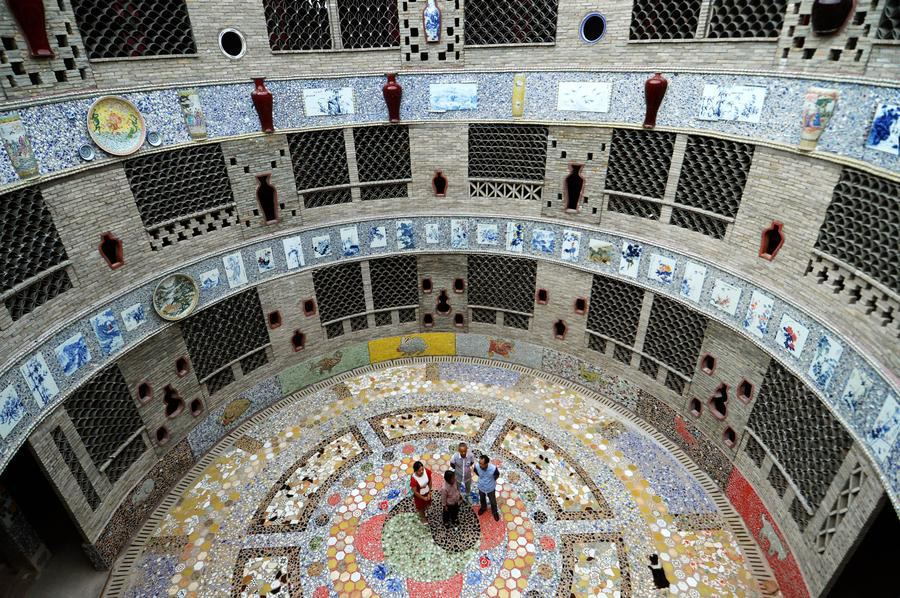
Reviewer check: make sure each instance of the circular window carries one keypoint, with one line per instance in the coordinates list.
(593, 27)
(231, 42)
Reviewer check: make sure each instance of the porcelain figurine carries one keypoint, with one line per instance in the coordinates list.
(262, 101)
(431, 22)
(818, 107)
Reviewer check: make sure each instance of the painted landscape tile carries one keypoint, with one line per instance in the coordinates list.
(453, 96)
(543, 241)
(12, 410)
(405, 235)
(631, 259)
(515, 236)
(293, 252)
(72, 354)
(432, 233)
(662, 269)
(601, 252)
(825, 361)
(884, 135)
(739, 102)
(571, 245)
(882, 436)
(136, 315)
(791, 335)
(377, 237)
(725, 297)
(349, 241)
(234, 269)
(759, 312)
(459, 234)
(486, 234)
(39, 379)
(321, 246)
(856, 391)
(208, 280)
(692, 283)
(328, 102)
(583, 96)
(106, 328)
(265, 261)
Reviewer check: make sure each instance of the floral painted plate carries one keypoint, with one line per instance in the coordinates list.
(175, 297)
(116, 126)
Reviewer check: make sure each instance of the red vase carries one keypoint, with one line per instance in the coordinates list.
(30, 16)
(262, 101)
(654, 91)
(828, 16)
(393, 93)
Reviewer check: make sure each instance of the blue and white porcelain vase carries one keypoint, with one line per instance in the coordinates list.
(431, 18)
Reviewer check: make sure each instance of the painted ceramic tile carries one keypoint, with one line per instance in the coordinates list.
(265, 261)
(72, 354)
(134, 316)
(293, 252)
(107, 330)
(193, 113)
(631, 259)
(725, 296)
(377, 237)
(884, 135)
(825, 361)
(515, 236)
(571, 245)
(518, 96)
(791, 335)
(328, 102)
(882, 436)
(759, 312)
(453, 96)
(432, 233)
(856, 390)
(39, 379)
(234, 269)
(543, 241)
(209, 279)
(459, 234)
(583, 96)
(17, 145)
(321, 246)
(601, 252)
(692, 283)
(486, 234)
(12, 410)
(741, 103)
(349, 241)
(662, 269)
(405, 235)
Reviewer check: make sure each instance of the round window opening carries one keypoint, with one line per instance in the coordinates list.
(593, 27)
(231, 42)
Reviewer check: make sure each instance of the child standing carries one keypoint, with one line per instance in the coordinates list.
(450, 498)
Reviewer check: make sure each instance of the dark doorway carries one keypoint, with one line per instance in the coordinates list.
(870, 572)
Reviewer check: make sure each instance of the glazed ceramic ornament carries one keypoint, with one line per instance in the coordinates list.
(518, 96)
(654, 92)
(18, 146)
(431, 21)
(393, 93)
(818, 107)
(29, 14)
(262, 101)
(828, 16)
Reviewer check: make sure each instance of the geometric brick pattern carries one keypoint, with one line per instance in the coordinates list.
(490, 22)
(319, 159)
(254, 361)
(395, 281)
(219, 380)
(746, 18)
(382, 153)
(297, 25)
(339, 291)
(840, 507)
(674, 334)
(673, 19)
(801, 433)
(369, 23)
(615, 309)
(639, 162)
(506, 283)
(225, 331)
(699, 223)
(121, 462)
(71, 459)
(146, 28)
(31, 297)
(889, 24)
(517, 152)
(755, 450)
(713, 174)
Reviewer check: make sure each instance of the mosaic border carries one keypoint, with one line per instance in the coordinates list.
(294, 572)
(487, 420)
(567, 552)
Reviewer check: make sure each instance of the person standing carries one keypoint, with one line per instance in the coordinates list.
(487, 474)
(462, 463)
(450, 499)
(420, 482)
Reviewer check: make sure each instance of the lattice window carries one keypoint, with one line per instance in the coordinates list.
(383, 318)
(395, 282)
(515, 320)
(296, 25)
(484, 316)
(799, 514)
(126, 458)
(674, 334)
(503, 282)
(622, 354)
(840, 507)
(359, 323)
(182, 193)
(777, 480)
(746, 18)
(517, 152)
(497, 190)
(376, 192)
(493, 22)
(29, 245)
(889, 24)
(615, 309)
(639, 162)
(633, 207)
(800, 431)
(369, 23)
(254, 361)
(712, 178)
(675, 19)
(649, 367)
(596, 343)
(407, 315)
(71, 460)
(219, 380)
(334, 329)
(145, 28)
(755, 450)
(674, 383)
(103, 413)
(382, 153)
(225, 331)
(319, 159)
(339, 291)
(862, 225)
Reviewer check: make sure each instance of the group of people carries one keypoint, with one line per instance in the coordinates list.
(456, 479)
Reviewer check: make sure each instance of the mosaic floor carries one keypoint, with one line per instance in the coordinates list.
(315, 501)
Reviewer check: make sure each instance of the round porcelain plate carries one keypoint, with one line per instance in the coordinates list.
(175, 297)
(116, 126)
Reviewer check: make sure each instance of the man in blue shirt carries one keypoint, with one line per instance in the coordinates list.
(487, 474)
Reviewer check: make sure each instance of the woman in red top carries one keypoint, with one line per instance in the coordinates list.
(421, 488)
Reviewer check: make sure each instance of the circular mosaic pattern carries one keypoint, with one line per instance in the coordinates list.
(315, 500)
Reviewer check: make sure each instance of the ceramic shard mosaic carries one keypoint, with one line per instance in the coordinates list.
(331, 473)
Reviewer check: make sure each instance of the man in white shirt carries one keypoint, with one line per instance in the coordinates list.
(462, 463)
